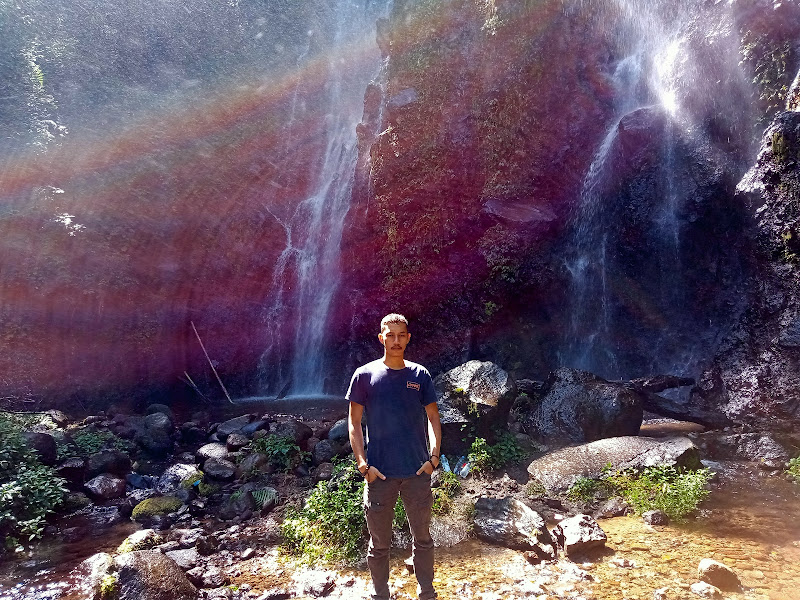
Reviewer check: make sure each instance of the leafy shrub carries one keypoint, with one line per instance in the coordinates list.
(29, 491)
(486, 457)
(330, 526)
(282, 451)
(88, 441)
(535, 489)
(583, 490)
(793, 471)
(449, 486)
(677, 492)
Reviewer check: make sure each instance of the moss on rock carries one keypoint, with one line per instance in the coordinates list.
(155, 506)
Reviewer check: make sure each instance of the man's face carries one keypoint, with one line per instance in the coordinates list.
(394, 338)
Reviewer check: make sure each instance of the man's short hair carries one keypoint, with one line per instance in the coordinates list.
(393, 318)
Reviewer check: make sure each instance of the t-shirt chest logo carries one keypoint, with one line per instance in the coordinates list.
(412, 385)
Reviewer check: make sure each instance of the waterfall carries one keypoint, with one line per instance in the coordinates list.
(653, 62)
(306, 275)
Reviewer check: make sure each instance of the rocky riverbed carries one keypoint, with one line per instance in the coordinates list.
(192, 509)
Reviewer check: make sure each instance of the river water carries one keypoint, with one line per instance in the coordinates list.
(751, 523)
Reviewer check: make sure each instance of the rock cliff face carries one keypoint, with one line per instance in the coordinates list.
(539, 183)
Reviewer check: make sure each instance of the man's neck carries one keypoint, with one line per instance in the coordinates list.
(393, 362)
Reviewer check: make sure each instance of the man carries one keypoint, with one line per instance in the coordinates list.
(398, 398)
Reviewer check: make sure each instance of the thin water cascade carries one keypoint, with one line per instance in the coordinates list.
(306, 275)
(653, 60)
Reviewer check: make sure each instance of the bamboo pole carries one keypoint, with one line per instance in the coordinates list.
(211, 364)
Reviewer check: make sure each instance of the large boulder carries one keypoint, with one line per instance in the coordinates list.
(44, 445)
(510, 523)
(293, 429)
(762, 448)
(230, 426)
(212, 450)
(171, 479)
(560, 469)
(475, 393)
(581, 407)
(150, 575)
(719, 575)
(108, 461)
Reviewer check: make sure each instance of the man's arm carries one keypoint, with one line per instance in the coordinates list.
(435, 438)
(357, 442)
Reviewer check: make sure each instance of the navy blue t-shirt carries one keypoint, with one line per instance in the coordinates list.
(393, 401)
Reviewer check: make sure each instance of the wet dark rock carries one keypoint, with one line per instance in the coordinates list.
(237, 505)
(579, 534)
(158, 423)
(102, 517)
(212, 450)
(253, 465)
(74, 534)
(719, 575)
(219, 469)
(581, 407)
(558, 470)
(75, 501)
(44, 445)
(137, 495)
(186, 559)
(115, 462)
(655, 517)
(508, 522)
(150, 575)
(233, 425)
(236, 441)
(105, 487)
(613, 507)
(192, 433)
(160, 408)
(257, 425)
(297, 431)
(155, 441)
(658, 383)
(72, 470)
(475, 393)
(339, 433)
(140, 482)
(324, 452)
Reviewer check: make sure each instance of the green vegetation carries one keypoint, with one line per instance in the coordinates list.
(161, 505)
(109, 586)
(192, 480)
(330, 526)
(769, 61)
(449, 486)
(535, 489)
(675, 491)
(793, 470)
(29, 491)
(486, 457)
(89, 440)
(282, 451)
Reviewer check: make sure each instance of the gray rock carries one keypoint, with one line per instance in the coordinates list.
(236, 441)
(207, 545)
(613, 507)
(325, 451)
(252, 465)
(108, 461)
(239, 504)
(186, 559)
(581, 407)
(171, 479)
(158, 422)
(214, 577)
(762, 448)
(478, 393)
(579, 534)
(706, 590)
(219, 469)
(186, 538)
(91, 571)
(323, 472)
(339, 433)
(144, 539)
(508, 522)
(105, 487)
(233, 425)
(150, 575)
(558, 470)
(72, 470)
(102, 517)
(251, 428)
(719, 575)
(316, 584)
(212, 450)
(299, 432)
(160, 408)
(655, 517)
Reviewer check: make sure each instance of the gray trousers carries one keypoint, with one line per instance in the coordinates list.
(380, 497)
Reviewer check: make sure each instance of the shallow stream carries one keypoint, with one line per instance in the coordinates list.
(751, 523)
